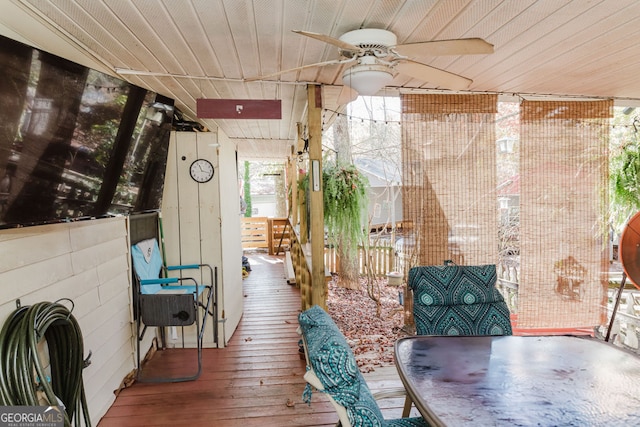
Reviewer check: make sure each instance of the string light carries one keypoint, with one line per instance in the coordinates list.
(362, 119)
(353, 118)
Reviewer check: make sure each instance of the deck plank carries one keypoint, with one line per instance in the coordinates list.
(257, 380)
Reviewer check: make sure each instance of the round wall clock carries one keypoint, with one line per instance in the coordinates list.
(201, 170)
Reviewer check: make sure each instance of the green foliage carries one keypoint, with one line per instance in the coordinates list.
(303, 183)
(624, 181)
(247, 190)
(624, 169)
(345, 201)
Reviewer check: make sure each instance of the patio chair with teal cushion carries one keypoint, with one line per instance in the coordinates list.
(454, 299)
(458, 300)
(332, 369)
(169, 301)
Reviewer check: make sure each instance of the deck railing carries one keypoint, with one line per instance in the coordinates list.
(301, 264)
(380, 257)
(272, 234)
(278, 236)
(507, 283)
(625, 331)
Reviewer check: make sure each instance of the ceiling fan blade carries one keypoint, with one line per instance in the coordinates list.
(328, 39)
(304, 67)
(347, 95)
(433, 75)
(445, 47)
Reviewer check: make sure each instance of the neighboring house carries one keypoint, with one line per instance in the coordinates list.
(263, 205)
(509, 198)
(385, 191)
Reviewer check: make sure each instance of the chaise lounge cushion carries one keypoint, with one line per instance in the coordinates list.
(316, 316)
(361, 409)
(331, 358)
(334, 371)
(327, 350)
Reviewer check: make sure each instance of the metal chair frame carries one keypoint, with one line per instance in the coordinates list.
(176, 305)
(169, 301)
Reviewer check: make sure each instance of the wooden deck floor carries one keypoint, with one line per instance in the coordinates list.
(255, 381)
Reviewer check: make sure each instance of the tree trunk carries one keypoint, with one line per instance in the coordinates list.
(348, 255)
(281, 194)
(342, 140)
(348, 272)
(247, 191)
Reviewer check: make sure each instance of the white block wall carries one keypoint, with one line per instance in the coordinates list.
(87, 262)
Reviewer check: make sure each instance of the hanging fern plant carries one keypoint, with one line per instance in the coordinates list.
(625, 182)
(345, 201)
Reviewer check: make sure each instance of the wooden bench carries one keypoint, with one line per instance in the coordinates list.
(290, 274)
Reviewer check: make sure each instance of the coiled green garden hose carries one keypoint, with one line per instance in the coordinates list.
(24, 375)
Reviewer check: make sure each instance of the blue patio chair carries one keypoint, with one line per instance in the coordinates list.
(169, 301)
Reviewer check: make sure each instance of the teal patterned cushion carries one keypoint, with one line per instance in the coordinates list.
(469, 319)
(364, 411)
(454, 284)
(316, 316)
(406, 422)
(335, 366)
(458, 300)
(331, 358)
(328, 351)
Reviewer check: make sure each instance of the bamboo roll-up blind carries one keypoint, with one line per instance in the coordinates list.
(563, 195)
(449, 178)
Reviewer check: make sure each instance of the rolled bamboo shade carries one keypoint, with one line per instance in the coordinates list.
(563, 205)
(450, 200)
(449, 178)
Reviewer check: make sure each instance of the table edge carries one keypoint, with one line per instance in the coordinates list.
(424, 410)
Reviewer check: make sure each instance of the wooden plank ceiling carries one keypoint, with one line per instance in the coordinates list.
(207, 48)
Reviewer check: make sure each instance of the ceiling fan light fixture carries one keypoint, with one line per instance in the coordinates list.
(367, 79)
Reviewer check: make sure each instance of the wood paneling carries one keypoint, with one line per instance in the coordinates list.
(199, 227)
(255, 232)
(201, 49)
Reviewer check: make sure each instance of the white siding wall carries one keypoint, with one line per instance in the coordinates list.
(231, 240)
(87, 262)
(201, 222)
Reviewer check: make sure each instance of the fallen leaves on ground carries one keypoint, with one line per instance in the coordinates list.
(371, 337)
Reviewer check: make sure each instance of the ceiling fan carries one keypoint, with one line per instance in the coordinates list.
(373, 59)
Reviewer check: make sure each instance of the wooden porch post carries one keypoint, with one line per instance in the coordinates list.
(318, 284)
